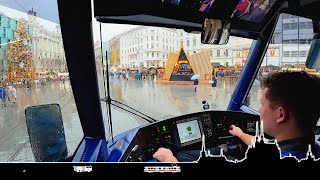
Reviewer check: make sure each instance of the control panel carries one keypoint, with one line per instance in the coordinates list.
(186, 131)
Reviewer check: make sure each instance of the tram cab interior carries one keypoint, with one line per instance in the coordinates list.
(185, 132)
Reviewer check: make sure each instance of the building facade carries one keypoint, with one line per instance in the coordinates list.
(293, 35)
(114, 44)
(47, 46)
(149, 46)
(48, 52)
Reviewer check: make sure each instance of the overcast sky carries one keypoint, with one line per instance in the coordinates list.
(48, 10)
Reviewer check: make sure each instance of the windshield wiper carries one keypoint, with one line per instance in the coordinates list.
(131, 110)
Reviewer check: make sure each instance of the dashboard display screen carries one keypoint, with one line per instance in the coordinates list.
(189, 131)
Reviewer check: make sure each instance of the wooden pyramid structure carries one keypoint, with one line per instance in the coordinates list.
(199, 64)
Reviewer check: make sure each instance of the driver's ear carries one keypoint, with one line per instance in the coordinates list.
(281, 114)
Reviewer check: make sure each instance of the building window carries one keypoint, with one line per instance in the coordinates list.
(181, 42)
(152, 31)
(302, 53)
(294, 53)
(272, 52)
(218, 53)
(147, 38)
(152, 54)
(226, 52)
(238, 54)
(211, 53)
(194, 42)
(152, 38)
(188, 43)
(294, 25)
(152, 45)
(272, 40)
(302, 25)
(309, 24)
(157, 38)
(286, 26)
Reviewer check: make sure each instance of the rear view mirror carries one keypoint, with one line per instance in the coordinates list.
(46, 132)
(313, 58)
(215, 32)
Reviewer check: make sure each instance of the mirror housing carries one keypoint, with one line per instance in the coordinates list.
(313, 58)
(46, 132)
(215, 32)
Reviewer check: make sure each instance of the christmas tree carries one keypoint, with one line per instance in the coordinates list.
(20, 66)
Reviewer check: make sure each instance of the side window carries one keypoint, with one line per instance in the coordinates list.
(37, 76)
(287, 52)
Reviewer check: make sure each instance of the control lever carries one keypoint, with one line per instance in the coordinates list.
(133, 150)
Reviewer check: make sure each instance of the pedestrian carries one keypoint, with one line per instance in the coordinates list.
(12, 95)
(127, 76)
(3, 94)
(214, 85)
(195, 83)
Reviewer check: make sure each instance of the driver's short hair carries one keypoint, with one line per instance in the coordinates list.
(298, 93)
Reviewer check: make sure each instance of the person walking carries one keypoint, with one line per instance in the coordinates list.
(3, 94)
(12, 95)
(195, 83)
(214, 85)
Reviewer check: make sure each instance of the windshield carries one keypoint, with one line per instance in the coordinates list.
(33, 71)
(151, 69)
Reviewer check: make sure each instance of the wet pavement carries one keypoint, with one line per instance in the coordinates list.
(159, 101)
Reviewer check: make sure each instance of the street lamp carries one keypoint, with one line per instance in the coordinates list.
(138, 59)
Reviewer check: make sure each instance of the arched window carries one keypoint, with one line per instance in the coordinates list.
(218, 53)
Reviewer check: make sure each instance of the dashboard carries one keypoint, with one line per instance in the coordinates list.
(185, 132)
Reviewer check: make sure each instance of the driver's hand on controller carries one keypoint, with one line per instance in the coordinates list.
(164, 155)
(235, 131)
